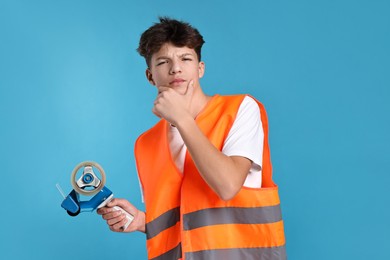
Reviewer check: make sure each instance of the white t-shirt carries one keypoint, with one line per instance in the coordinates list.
(244, 139)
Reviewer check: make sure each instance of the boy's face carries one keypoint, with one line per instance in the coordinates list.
(175, 67)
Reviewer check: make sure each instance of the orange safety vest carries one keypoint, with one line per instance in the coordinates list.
(185, 218)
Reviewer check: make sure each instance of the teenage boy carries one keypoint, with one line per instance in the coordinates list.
(205, 167)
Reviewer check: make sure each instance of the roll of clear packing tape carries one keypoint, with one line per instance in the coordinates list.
(83, 191)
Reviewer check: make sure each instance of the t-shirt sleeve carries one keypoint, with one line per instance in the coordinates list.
(246, 135)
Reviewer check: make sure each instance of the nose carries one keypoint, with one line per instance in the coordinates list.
(175, 68)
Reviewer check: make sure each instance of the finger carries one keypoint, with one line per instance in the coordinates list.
(162, 89)
(104, 210)
(119, 202)
(112, 228)
(113, 202)
(154, 110)
(190, 88)
(116, 220)
(119, 225)
(100, 211)
(112, 215)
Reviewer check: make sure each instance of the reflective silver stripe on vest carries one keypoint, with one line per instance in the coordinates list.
(261, 253)
(172, 254)
(164, 221)
(232, 215)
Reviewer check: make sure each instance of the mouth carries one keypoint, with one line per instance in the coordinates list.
(177, 81)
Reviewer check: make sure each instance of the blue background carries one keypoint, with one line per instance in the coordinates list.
(73, 89)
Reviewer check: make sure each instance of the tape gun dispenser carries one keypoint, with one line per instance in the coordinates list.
(89, 185)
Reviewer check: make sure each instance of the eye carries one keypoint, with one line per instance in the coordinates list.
(187, 59)
(161, 62)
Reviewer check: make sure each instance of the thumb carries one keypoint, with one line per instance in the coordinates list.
(118, 202)
(190, 88)
(124, 204)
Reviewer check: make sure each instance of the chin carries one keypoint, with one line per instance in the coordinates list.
(180, 89)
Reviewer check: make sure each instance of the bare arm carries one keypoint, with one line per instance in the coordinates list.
(224, 174)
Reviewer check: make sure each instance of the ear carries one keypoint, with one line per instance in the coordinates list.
(201, 69)
(149, 77)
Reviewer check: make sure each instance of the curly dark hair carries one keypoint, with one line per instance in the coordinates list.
(169, 30)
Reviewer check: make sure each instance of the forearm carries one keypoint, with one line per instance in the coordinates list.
(224, 174)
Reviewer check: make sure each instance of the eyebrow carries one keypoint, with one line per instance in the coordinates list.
(181, 55)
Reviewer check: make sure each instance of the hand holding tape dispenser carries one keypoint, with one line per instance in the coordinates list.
(89, 185)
